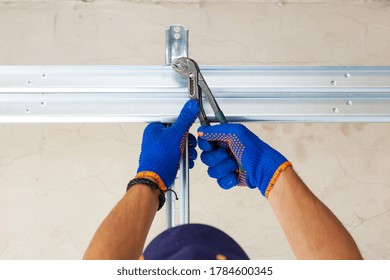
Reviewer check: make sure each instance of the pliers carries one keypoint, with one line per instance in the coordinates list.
(197, 85)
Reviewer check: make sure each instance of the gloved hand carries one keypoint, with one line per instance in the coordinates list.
(162, 147)
(261, 164)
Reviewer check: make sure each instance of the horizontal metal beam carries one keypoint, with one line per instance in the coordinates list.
(62, 94)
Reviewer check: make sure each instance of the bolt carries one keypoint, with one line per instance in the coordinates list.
(349, 102)
(335, 110)
(29, 83)
(333, 82)
(347, 75)
(28, 110)
(44, 75)
(178, 66)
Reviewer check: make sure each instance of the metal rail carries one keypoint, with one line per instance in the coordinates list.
(66, 94)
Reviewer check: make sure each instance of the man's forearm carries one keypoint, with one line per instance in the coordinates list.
(312, 230)
(123, 233)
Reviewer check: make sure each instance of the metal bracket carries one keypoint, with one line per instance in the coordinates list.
(176, 45)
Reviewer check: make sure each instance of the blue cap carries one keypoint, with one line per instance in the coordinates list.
(194, 242)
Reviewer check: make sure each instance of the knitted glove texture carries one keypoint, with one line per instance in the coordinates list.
(260, 163)
(162, 146)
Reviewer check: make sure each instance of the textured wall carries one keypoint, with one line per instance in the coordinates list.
(57, 182)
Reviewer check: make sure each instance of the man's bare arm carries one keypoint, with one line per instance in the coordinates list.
(312, 230)
(123, 232)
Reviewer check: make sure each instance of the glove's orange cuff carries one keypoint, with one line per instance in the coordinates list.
(274, 178)
(153, 175)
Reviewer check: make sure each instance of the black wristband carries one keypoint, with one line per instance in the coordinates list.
(151, 184)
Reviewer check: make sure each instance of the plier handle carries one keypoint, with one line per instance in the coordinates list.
(197, 86)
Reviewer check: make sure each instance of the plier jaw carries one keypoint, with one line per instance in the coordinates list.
(190, 69)
(197, 85)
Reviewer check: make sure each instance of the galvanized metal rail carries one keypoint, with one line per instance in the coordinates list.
(63, 94)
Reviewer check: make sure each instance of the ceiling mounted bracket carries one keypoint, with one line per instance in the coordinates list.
(176, 46)
(176, 43)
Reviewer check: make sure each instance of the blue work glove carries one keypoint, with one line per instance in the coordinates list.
(162, 147)
(260, 163)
